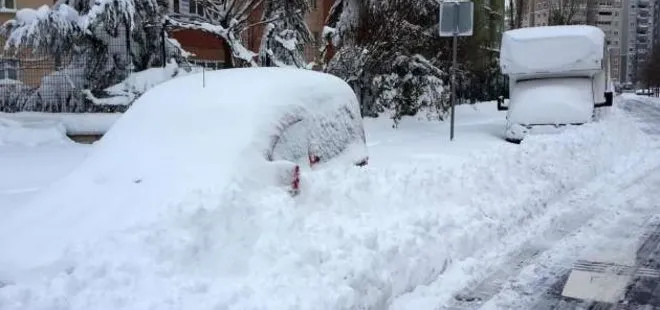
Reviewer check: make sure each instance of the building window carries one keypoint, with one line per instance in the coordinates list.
(9, 69)
(314, 4)
(196, 7)
(9, 5)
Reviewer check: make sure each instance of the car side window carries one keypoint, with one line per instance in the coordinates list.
(293, 143)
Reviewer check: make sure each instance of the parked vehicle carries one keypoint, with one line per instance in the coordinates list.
(274, 122)
(558, 76)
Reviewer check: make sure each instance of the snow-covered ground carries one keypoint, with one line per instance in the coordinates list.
(477, 127)
(407, 232)
(32, 156)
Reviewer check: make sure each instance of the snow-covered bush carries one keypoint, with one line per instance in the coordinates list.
(388, 53)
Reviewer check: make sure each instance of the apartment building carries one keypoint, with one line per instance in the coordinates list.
(607, 15)
(539, 12)
(638, 39)
(208, 50)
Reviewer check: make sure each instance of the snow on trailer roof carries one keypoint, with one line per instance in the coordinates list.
(552, 49)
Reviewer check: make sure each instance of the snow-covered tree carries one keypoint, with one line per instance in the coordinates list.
(389, 52)
(97, 43)
(285, 33)
(226, 19)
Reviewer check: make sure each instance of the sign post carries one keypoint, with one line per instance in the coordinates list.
(456, 19)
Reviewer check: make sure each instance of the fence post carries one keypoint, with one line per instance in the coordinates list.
(128, 46)
(162, 43)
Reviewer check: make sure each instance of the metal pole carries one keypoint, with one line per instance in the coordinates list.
(453, 77)
(453, 87)
(163, 51)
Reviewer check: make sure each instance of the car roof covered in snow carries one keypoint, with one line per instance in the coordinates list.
(552, 49)
(219, 114)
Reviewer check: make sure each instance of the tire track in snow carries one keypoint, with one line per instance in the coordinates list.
(557, 227)
(539, 285)
(571, 222)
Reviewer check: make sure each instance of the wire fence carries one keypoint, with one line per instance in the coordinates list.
(32, 81)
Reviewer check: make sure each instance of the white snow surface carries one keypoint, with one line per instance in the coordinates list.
(354, 238)
(137, 83)
(161, 150)
(73, 123)
(552, 101)
(544, 49)
(31, 134)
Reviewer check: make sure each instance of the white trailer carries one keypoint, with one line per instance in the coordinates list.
(558, 76)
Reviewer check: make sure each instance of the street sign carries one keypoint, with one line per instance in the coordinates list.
(456, 18)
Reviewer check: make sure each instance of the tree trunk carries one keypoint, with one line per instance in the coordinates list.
(519, 13)
(229, 57)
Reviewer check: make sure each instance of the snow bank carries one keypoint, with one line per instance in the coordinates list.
(522, 49)
(356, 238)
(73, 123)
(31, 133)
(178, 138)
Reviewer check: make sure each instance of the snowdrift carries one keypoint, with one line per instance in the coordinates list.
(552, 49)
(31, 133)
(354, 239)
(73, 123)
(182, 136)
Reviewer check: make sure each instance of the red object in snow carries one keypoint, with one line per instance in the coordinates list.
(295, 183)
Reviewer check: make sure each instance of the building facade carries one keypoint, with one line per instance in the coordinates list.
(640, 30)
(24, 68)
(208, 50)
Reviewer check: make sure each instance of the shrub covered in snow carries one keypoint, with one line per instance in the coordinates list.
(388, 52)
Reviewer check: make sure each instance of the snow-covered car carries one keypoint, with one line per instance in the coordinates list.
(273, 122)
(182, 149)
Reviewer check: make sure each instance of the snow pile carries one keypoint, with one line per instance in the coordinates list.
(73, 123)
(31, 133)
(354, 238)
(160, 150)
(521, 49)
(137, 84)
